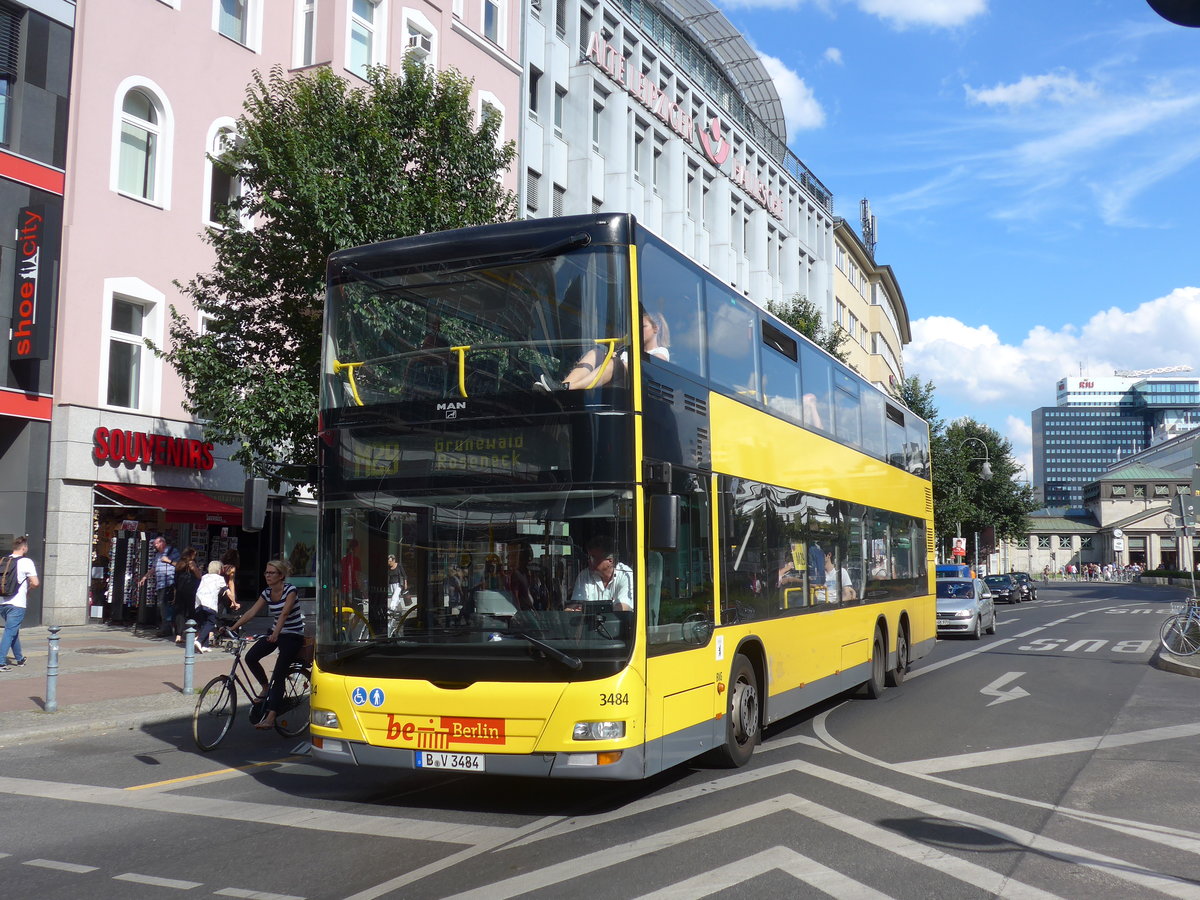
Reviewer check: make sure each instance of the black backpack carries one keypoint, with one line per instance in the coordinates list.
(10, 583)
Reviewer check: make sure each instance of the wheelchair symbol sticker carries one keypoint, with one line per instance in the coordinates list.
(359, 697)
(376, 697)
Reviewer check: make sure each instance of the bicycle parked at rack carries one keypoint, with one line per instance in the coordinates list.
(1180, 634)
(216, 708)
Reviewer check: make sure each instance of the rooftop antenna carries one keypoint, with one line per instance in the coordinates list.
(869, 233)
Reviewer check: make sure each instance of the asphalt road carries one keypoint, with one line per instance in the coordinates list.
(1051, 760)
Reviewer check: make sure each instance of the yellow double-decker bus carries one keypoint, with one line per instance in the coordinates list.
(587, 512)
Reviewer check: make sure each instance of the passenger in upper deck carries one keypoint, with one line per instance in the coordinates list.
(655, 341)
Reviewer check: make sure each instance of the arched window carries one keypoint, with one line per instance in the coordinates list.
(224, 185)
(143, 125)
(140, 135)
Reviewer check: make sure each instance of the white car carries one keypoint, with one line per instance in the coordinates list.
(965, 606)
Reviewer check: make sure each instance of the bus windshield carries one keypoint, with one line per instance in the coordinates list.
(412, 328)
(469, 586)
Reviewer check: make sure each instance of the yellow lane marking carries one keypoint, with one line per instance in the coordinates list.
(215, 772)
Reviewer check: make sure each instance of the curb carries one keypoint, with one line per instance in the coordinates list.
(1169, 662)
(38, 725)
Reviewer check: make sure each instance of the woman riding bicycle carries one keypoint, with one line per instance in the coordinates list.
(286, 635)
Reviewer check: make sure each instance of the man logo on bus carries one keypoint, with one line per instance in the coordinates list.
(446, 731)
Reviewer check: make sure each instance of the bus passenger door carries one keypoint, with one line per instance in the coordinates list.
(681, 672)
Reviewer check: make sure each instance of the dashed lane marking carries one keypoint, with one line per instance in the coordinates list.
(60, 866)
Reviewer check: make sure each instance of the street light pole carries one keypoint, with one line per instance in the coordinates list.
(985, 472)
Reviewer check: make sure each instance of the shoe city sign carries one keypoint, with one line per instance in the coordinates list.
(712, 142)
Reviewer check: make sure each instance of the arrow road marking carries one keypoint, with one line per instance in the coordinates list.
(995, 689)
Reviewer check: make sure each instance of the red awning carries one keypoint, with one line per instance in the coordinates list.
(179, 504)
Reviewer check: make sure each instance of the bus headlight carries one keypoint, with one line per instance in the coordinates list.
(598, 731)
(325, 718)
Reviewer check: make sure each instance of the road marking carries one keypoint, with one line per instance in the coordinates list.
(158, 882)
(253, 895)
(782, 859)
(1050, 748)
(60, 866)
(266, 813)
(925, 670)
(236, 770)
(1177, 838)
(995, 689)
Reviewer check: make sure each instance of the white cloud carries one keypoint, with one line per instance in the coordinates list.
(936, 13)
(801, 109)
(1061, 88)
(975, 374)
(833, 55)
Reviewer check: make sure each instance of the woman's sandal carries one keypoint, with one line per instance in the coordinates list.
(265, 726)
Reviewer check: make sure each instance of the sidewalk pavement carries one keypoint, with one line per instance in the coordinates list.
(109, 678)
(113, 678)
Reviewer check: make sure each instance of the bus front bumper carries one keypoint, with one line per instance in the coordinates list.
(629, 767)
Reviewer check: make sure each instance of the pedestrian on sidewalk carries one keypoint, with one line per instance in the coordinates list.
(163, 570)
(187, 579)
(207, 603)
(12, 610)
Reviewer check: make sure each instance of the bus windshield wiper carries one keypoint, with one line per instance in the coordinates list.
(359, 649)
(573, 663)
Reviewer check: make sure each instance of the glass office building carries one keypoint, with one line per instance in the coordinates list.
(1099, 421)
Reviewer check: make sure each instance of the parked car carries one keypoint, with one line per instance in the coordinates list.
(965, 606)
(1028, 585)
(1004, 588)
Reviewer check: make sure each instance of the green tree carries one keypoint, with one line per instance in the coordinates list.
(962, 497)
(803, 315)
(322, 166)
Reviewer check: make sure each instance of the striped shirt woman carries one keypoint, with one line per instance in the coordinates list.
(286, 635)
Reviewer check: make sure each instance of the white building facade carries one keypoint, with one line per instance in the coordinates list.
(661, 108)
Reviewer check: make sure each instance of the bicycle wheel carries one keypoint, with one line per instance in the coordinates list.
(214, 712)
(1181, 635)
(292, 718)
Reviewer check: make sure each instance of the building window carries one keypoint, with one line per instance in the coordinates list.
(560, 18)
(1085, 542)
(1161, 490)
(639, 143)
(420, 38)
(1118, 490)
(1043, 542)
(533, 181)
(535, 89)
(366, 37)
(306, 33)
(1139, 490)
(224, 185)
(1022, 543)
(141, 133)
(492, 24)
(233, 20)
(597, 112)
(560, 104)
(1064, 542)
(126, 327)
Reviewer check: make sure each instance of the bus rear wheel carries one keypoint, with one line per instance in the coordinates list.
(742, 715)
(875, 683)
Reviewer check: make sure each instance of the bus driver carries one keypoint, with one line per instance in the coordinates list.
(604, 580)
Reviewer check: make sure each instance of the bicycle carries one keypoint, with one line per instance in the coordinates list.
(1180, 634)
(216, 707)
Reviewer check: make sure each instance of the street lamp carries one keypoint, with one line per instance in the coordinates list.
(985, 472)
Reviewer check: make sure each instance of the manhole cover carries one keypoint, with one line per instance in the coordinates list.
(103, 650)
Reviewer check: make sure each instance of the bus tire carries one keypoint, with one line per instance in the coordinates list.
(875, 683)
(742, 715)
(895, 677)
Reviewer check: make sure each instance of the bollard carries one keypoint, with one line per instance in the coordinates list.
(189, 654)
(52, 671)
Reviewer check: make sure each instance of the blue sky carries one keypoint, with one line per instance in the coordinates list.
(1034, 167)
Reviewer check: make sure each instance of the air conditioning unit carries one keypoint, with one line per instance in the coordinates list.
(419, 41)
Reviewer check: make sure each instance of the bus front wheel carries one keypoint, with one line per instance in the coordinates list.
(742, 715)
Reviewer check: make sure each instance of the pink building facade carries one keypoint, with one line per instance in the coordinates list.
(147, 106)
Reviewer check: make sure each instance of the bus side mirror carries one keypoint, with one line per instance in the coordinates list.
(664, 522)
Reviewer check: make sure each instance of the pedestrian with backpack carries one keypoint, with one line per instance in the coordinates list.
(17, 575)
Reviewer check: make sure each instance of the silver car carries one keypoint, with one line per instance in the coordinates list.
(964, 606)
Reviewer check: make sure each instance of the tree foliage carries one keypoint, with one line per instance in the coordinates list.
(803, 315)
(322, 166)
(963, 501)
